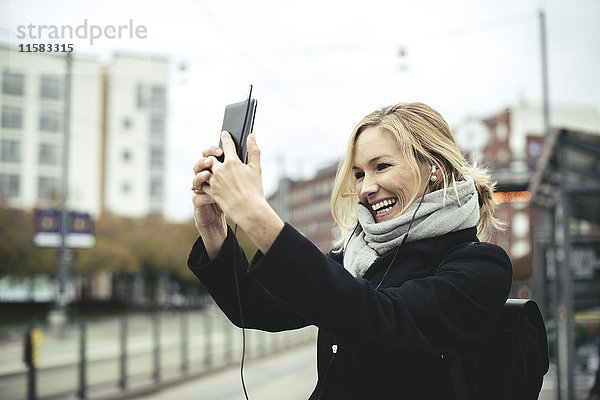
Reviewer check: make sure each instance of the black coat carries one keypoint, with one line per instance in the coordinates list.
(389, 340)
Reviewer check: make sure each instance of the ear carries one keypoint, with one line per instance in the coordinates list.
(433, 176)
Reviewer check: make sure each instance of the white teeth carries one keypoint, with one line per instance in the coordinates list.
(382, 204)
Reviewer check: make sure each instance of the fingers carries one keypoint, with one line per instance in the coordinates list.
(203, 164)
(253, 152)
(209, 166)
(203, 168)
(228, 146)
(213, 151)
(200, 179)
(200, 200)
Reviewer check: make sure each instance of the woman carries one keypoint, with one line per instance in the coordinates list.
(407, 280)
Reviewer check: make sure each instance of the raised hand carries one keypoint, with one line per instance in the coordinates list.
(237, 190)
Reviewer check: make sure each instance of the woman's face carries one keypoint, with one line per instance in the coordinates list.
(384, 180)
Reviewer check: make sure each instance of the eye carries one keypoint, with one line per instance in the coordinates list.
(358, 175)
(382, 166)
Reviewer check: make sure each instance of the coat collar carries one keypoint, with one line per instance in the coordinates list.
(419, 258)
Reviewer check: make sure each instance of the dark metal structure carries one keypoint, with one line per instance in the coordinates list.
(566, 185)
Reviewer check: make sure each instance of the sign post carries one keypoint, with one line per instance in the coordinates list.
(50, 231)
(79, 232)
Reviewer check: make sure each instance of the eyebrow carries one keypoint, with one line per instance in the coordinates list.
(373, 160)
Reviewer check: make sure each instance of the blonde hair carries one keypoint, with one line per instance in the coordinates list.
(424, 137)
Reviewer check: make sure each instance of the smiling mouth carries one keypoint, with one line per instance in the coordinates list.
(383, 207)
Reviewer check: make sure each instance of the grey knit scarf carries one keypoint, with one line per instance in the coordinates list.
(435, 217)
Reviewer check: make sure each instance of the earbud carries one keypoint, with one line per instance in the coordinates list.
(433, 177)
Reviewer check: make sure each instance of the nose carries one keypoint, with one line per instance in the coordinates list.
(369, 186)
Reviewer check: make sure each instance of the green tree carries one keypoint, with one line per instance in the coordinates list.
(110, 252)
(20, 257)
(150, 246)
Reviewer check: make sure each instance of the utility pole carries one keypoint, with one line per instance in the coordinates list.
(565, 382)
(544, 62)
(63, 251)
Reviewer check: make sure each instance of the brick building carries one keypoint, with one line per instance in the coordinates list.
(515, 139)
(305, 204)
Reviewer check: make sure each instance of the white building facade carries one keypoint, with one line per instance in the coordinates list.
(135, 139)
(32, 131)
(117, 132)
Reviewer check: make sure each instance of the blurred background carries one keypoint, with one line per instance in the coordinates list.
(107, 105)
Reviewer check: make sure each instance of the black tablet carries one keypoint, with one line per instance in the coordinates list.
(239, 121)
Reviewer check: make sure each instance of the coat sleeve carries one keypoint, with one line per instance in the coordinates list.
(456, 305)
(260, 309)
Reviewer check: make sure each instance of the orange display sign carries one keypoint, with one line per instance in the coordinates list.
(513, 197)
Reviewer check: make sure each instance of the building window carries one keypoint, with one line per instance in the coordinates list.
(10, 150)
(49, 121)
(12, 117)
(153, 97)
(48, 188)
(126, 188)
(9, 185)
(158, 97)
(503, 156)
(157, 158)
(127, 156)
(502, 131)
(127, 123)
(13, 83)
(157, 127)
(49, 154)
(142, 96)
(50, 87)
(534, 149)
(156, 188)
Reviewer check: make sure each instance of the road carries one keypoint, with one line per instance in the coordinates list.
(288, 375)
(160, 351)
(291, 375)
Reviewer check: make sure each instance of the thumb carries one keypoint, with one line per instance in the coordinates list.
(253, 152)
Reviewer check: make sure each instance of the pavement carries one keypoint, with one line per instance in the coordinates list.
(291, 375)
(287, 375)
(583, 383)
(210, 342)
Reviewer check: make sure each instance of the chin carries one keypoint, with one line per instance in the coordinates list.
(385, 218)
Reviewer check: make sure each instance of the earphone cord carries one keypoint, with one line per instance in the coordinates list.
(334, 347)
(405, 236)
(237, 288)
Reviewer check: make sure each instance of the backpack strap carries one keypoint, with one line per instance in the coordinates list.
(457, 375)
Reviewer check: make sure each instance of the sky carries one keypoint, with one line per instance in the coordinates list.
(318, 67)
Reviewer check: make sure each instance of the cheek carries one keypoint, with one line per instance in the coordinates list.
(406, 192)
(400, 189)
(358, 189)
